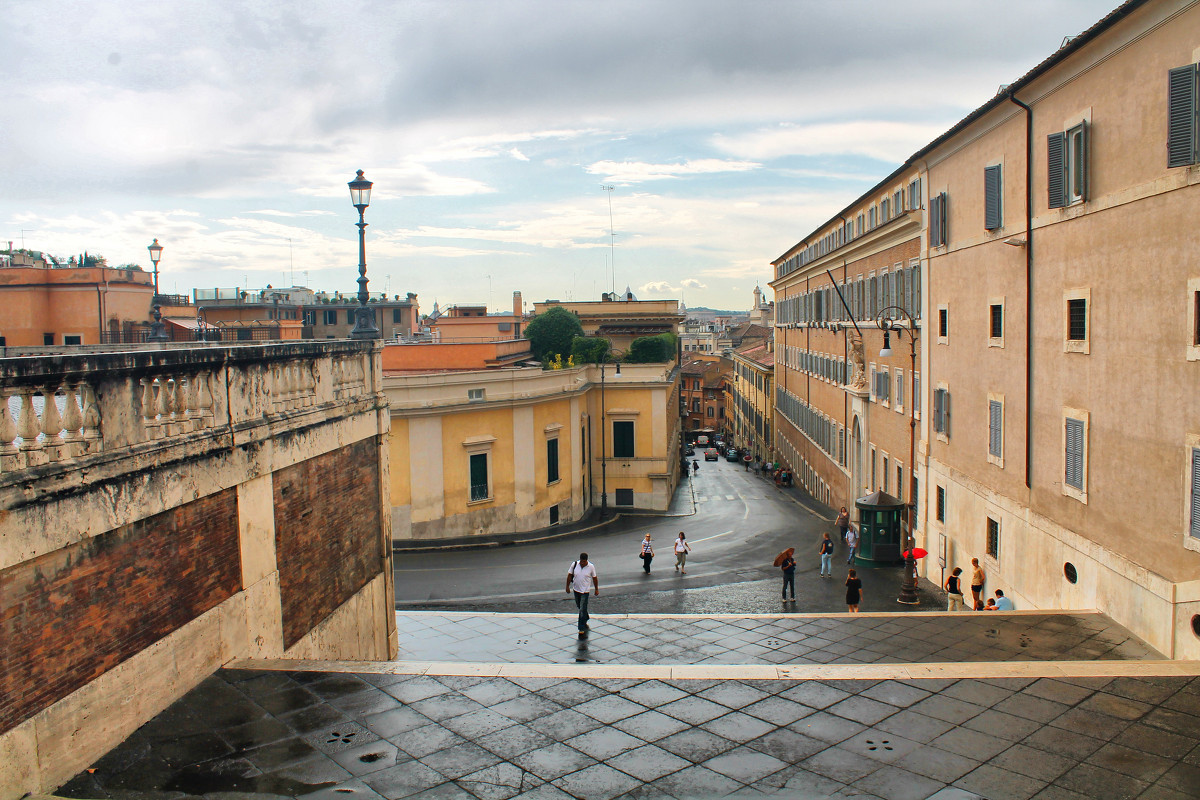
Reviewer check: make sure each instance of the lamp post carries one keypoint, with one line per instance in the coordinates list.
(889, 320)
(364, 316)
(155, 256)
(158, 331)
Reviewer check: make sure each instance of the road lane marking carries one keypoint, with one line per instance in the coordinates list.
(714, 536)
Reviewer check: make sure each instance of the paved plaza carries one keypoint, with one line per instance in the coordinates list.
(1017, 715)
(797, 639)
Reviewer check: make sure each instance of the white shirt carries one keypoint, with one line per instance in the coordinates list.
(681, 546)
(582, 582)
(851, 537)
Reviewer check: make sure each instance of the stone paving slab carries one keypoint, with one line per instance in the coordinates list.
(767, 639)
(323, 735)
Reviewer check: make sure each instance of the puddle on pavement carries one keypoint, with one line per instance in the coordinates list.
(200, 783)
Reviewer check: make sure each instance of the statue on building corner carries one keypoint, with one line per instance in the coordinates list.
(858, 356)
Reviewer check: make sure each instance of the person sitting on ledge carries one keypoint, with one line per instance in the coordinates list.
(1002, 602)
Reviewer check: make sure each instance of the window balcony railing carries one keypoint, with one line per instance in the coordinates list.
(479, 491)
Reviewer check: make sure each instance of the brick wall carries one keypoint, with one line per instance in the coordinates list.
(71, 615)
(328, 543)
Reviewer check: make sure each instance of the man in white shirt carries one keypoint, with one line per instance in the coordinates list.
(851, 544)
(582, 580)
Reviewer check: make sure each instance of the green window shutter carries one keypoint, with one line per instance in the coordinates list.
(939, 420)
(479, 476)
(622, 439)
(1074, 470)
(551, 460)
(1181, 116)
(995, 417)
(1056, 169)
(946, 412)
(1195, 527)
(992, 177)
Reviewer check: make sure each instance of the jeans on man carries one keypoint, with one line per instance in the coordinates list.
(789, 580)
(827, 564)
(581, 602)
(850, 554)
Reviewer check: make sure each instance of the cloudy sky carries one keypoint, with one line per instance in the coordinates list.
(728, 130)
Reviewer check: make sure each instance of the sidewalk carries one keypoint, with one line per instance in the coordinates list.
(1001, 730)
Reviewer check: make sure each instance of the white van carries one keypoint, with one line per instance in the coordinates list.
(701, 441)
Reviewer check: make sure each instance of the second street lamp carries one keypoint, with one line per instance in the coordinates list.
(364, 315)
(158, 330)
(892, 319)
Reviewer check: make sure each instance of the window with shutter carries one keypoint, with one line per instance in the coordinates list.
(995, 437)
(937, 220)
(551, 461)
(946, 412)
(1056, 169)
(480, 489)
(997, 326)
(941, 504)
(1077, 163)
(939, 419)
(623, 441)
(916, 401)
(1074, 466)
(991, 197)
(1182, 109)
(1195, 521)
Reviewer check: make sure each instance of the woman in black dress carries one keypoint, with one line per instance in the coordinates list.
(853, 591)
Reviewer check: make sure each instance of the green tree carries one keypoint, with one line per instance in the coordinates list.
(551, 334)
(589, 349)
(652, 349)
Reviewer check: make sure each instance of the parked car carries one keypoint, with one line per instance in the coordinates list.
(731, 455)
(689, 451)
(711, 454)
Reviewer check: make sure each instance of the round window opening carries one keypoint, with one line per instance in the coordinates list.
(1196, 624)
(1069, 571)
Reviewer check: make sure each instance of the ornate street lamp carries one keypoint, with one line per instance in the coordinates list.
(155, 256)
(364, 316)
(890, 319)
(158, 331)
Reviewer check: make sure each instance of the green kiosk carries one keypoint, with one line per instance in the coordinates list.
(879, 534)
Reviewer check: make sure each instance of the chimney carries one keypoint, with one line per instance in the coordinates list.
(517, 304)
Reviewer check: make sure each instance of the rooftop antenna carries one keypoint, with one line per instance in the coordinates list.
(25, 231)
(612, 239)
(291, 267)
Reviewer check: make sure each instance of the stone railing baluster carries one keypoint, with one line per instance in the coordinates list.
(150, 407)
(28, 426)
(165, 398)
(72, 420)
(8, 433)
(52, 426)
(93, 441)
(204, 400)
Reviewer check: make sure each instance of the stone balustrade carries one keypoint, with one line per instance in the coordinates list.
(57, 409)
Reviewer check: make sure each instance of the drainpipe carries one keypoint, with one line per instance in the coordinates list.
(1028, 287)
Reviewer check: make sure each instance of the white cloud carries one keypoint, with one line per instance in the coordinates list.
(879, 139)
(658, 287)
(637, 171)
(692, 283)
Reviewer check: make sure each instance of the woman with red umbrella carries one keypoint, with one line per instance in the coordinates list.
(788, 564)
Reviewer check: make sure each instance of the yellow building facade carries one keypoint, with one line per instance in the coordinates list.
(503, 451)
(754, 400)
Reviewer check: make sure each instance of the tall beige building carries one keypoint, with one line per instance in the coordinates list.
(1046, 245)
(1063, 289)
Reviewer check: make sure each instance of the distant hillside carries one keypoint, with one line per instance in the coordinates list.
(718, 312)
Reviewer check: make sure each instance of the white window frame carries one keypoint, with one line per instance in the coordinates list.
(1070, 491)
(477, 395)
(1191, 443)
(996, 341)
(1193, 300)
(897, 391)
(480, 445)
(1083, 345)
(994, 459)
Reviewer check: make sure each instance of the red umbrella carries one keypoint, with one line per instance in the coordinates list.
(917, 552)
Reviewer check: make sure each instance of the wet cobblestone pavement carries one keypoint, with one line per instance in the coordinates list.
(847, 639)
(322, 735)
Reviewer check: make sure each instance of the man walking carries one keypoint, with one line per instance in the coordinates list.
(826, 551)
(851, 537)
(582, 580)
